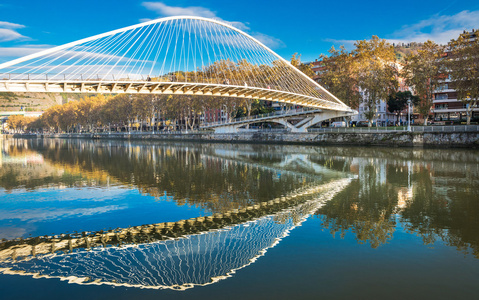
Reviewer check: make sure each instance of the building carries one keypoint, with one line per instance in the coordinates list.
(446, 106)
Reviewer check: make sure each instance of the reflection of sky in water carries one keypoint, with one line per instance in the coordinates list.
(59, 186)
(48, 211)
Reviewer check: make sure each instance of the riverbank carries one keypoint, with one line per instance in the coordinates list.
(391, 139)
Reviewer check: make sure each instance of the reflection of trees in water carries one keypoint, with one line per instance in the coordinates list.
(22, 167)
(447, 214)
(442, 205)
(369, 215)
(184, 172)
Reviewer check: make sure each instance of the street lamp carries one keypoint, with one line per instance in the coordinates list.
(409, 115)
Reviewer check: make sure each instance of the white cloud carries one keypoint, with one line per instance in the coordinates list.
(165, 10)
(438, 28)
(11, 25)
(198, 11)
(21, 51)
(269, 41)
(239, 25)
(8, 32)
(10, 35)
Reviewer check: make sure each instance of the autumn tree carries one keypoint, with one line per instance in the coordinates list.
(377, 74)
(17, 122)
(339, 75)
(422, 72)
(68, 116)
(89, 110)
(51, 118)
(463, 67)
(112, 113)
(35, 124)
(305, 68)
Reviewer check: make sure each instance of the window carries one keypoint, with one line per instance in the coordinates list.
(441, 96)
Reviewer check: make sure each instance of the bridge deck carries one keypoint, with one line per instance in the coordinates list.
(152, 87)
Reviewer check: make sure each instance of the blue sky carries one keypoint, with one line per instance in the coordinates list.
(307, 27)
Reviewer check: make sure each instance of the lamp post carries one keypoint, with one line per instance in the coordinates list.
(409, 115)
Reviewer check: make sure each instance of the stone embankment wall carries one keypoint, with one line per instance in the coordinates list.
(395, 139)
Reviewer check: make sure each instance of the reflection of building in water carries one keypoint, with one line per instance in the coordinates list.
(371, 172)
(404, 197)
(175, 263)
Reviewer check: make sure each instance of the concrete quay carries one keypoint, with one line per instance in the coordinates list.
(374, 138)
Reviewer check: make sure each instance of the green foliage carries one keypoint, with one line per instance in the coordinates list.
(8, 96)
(258, 107)
(398, 101)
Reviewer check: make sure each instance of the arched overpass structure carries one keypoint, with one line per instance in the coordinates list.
(175, 55)
(303, 119)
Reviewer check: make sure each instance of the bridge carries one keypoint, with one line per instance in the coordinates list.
(303, 117)
(175, 55)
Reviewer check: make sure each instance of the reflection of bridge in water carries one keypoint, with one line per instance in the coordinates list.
(296, 164)
(176, 255)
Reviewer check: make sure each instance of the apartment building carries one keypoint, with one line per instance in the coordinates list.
(446, 105)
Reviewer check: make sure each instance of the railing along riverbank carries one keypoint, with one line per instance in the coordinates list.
(444, 128)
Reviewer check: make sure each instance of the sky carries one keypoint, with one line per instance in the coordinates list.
(307, 27)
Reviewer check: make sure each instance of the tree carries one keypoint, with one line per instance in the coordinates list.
(111, 113)
(124, 109)
(376, 72)
(305, 68)
(89, 110)
(258, 107)
(35, 124)
(422, 71)
(398, 101)
(339, 76)
(463, 67)
(17, 122)
(143, 108)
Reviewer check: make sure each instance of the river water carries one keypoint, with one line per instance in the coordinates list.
(84, 219)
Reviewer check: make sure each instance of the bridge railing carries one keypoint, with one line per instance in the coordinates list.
(279, 113)
(129, 77)
(74, 77)
(166, 78)
(450, 128)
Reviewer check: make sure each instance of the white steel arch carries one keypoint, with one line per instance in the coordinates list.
(225, 62)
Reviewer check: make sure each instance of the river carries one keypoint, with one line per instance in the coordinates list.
(172, 220)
